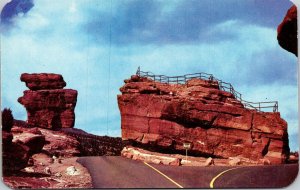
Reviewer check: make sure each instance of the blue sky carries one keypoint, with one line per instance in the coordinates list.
(235, 40)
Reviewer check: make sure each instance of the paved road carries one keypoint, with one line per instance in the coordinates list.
(119, 172)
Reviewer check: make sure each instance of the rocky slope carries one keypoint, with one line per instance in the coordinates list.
(48, 105)
(43, 158)
(161, 117)
(39, 158)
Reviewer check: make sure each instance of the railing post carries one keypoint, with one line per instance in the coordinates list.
(275, 108)
(138, 71)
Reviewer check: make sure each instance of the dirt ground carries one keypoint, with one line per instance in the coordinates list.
(50, 173)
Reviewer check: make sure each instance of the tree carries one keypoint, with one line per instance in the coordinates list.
(7, 120)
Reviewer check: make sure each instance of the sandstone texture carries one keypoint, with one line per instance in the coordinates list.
(33, 139)
(161, 117)
(43, 81)
(48, 105)
(287, 31)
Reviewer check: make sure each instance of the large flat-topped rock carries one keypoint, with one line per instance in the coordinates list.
(162, 116)
(41, 81)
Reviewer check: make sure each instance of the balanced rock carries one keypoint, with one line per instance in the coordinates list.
(47, 104)
(287, 31)
(162, 116)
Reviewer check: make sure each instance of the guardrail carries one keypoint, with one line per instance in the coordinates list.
(225, 86)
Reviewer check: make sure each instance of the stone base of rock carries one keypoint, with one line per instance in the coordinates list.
(181, 160)
(146, 156)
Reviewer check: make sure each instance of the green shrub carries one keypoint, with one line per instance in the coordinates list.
(7, 120)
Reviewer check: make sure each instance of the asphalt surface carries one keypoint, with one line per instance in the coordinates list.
(119, 172)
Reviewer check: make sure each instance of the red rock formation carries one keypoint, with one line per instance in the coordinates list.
(32, 138)
(47, 104)
(287, 31)
(43, 81)
(14, 155)
(163, 116)
(58, 142)
(33, 156)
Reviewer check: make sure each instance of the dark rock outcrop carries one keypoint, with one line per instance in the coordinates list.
(47, 104)
(287, 31)
(14, 155)
(161, 116)
(32, 138)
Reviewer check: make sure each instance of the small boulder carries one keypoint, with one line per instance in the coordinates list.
(234, 161)
(58, 174)
(72, 171)
(35, 142)
(209, 161)
(47, 170)
(265, 161)
(29, 169)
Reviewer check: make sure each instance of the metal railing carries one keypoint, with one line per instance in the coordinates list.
(225, 86)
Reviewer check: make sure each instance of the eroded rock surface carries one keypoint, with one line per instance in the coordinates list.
(47, 104)
(161, 117)
(43, 81)
(47, 141)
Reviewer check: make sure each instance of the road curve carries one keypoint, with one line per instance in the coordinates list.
(274, 176)
(119, 172)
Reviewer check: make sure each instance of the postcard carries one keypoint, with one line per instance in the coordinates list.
(149, 94)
